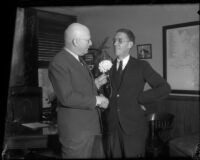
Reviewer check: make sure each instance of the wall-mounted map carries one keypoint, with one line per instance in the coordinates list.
(182, 56)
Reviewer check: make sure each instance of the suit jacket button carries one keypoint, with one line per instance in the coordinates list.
(117, 95)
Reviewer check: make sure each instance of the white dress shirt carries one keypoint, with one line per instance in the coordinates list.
(124, 62)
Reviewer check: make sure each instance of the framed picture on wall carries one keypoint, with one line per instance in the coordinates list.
(181, 57)
(144, 51)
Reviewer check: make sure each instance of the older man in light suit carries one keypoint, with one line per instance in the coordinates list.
(76, 91)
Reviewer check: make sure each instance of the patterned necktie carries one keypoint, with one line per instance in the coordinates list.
(81, 61)
(84, 65)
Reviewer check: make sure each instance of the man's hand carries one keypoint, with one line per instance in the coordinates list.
(101, 80)
(102, 101)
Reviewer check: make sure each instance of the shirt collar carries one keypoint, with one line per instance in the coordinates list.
(72, 53)
(124, 61)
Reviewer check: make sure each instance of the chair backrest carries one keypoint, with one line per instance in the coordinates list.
(159, 122)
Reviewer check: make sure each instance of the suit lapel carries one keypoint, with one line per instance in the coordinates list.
(123, 76)
(83, 69)
(88, 74)
(113, 77)
(86, 67)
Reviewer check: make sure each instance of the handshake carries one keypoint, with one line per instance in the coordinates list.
(102, 101)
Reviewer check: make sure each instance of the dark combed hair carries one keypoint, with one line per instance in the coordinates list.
(128, 32)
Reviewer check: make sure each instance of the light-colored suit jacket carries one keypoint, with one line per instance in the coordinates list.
(75, 90)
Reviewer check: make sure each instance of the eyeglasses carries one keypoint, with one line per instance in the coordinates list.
(88, 40)
(120, 41)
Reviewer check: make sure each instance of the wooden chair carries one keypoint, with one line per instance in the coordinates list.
(160, 125)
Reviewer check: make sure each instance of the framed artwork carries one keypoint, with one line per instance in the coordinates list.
(144, 51)
(181, 57)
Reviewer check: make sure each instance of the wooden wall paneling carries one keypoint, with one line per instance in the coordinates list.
(186, 111)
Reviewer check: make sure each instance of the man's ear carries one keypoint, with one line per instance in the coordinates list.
(75, 42)
(130, 44)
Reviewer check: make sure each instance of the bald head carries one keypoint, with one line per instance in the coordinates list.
(75, 30)
(77, 38)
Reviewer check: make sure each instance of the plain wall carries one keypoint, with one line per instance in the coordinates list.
(146, 21)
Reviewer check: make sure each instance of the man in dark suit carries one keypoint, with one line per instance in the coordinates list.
(76, 91)
(126, 125)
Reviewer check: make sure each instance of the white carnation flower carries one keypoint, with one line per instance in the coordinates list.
(105, 66)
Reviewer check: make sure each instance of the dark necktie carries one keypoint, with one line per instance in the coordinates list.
(120, 67)
(119, 73)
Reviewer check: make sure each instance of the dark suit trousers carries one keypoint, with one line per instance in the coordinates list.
(85, 146)
(121, 145)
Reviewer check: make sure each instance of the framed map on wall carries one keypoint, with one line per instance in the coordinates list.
(181, 57)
